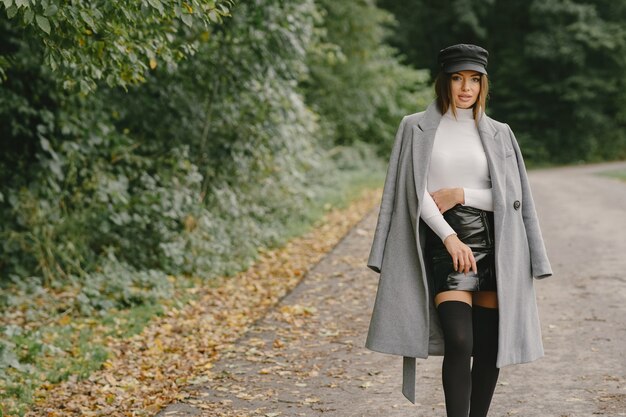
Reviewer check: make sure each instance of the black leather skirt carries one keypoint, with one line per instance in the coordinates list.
(475, 228)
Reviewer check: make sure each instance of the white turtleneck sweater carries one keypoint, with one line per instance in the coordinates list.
(458, 160)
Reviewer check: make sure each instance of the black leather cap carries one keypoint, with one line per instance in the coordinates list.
(463, 56)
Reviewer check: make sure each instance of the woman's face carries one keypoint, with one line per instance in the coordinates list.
(465, 86)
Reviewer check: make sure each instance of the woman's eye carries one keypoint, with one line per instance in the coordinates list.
(476, 80)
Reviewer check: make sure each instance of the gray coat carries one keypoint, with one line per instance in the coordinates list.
(404, 320)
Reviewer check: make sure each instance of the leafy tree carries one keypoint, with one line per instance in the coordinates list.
(128, 175)
(356, 81)
(118, 42)
(555, 66)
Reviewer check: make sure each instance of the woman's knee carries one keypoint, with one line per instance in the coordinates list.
(459, 342)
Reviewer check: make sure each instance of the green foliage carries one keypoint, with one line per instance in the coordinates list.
(200, 165)
(252, 137)
(356, 82)
(584, 53)
(555, 67)
(46, 353)
(118, 42)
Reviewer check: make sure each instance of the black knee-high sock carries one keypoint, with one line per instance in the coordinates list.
(484, 371)
(456, 322)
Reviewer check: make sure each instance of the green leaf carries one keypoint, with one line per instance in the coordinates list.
(11, 12)
(7, 3)
(84, 86)
(187, 19)
(51, 10)
(53, 63)
(28, 16)
(43, 23)
(88, 20)
(157, 5)
(45, 144)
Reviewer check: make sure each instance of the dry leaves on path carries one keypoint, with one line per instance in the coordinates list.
(146, 372)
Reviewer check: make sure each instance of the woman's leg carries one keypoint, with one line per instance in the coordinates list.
(485, 349)
(455, 314)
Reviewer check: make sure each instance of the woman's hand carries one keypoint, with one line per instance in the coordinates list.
(462, 256)
(446, 198)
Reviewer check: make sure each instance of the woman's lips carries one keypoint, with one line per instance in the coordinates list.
(465, 98)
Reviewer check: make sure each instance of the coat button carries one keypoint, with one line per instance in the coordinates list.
(516, 204)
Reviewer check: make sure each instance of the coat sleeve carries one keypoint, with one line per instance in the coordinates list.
(540, 263)
(386, 206)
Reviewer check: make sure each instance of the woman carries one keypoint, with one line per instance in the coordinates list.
(459, 283)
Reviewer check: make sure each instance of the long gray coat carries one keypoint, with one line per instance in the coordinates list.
(404, 320)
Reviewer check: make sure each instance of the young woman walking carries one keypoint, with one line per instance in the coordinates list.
(458, 242)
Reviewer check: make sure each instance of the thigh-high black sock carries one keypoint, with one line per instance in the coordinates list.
(456, 322)
(484, 371)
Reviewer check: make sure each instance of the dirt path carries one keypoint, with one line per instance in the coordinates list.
(307, 357)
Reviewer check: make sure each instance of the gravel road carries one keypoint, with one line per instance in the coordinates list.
(307, 356)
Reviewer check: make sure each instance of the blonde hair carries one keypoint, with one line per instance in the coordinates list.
(443, 91)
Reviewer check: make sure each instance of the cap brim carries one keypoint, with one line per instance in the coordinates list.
(465, 66)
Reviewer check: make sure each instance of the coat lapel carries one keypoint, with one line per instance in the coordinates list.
(494, 149)
(423, 140)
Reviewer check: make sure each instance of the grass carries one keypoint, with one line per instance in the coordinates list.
(620, 174)
(348, 186)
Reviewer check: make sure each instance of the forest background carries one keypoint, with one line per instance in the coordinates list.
(150, 145)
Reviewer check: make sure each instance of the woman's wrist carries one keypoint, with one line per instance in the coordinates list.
(447, 239)
(460, 195)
